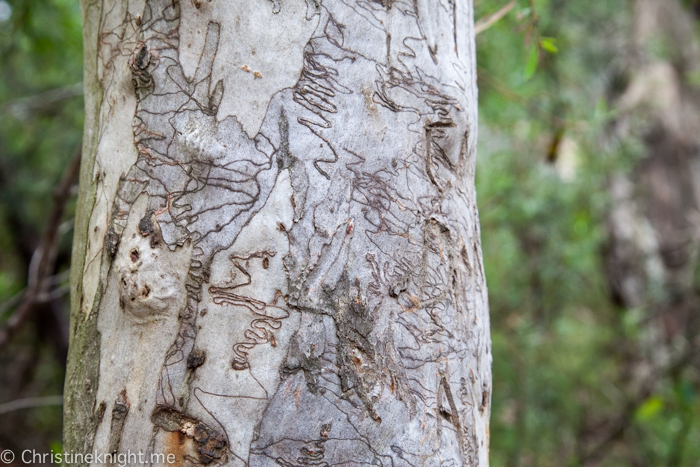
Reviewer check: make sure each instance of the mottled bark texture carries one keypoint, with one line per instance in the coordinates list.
(279, 256)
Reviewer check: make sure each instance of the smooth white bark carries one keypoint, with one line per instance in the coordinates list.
(283, 254)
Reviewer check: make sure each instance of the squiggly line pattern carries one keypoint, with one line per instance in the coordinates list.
(384, 261)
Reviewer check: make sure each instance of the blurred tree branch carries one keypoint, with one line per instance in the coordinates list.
(486, 22)
(47, 296)
(26, 107)
(44, 257)
(30, 403)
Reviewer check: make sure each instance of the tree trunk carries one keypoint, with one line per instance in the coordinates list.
(653, 257)
(278, 258)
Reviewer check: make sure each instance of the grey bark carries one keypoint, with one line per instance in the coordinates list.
(278, 248)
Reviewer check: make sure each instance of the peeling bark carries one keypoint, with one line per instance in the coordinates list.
(280, 245)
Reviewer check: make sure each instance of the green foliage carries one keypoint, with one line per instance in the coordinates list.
(39, 130)
(560, 344)
(41, 113)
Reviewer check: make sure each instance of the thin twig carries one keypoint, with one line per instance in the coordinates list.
(30, 403)
(12, 302)
(25, 107)
(44, 257)
(486, 22)
(17, 298)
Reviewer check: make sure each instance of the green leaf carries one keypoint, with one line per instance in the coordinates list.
(532, 62)
(549, 44)
(650, 408)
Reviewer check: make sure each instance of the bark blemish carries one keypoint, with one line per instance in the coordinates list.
(196, 359)
(111, 242)
(297, 360)
(147, 224)
(151, 276)
(451, 413)
(208, 442)
(139, 63)
(176, 444)
(101, 409)
(119, 413)
(356, 357)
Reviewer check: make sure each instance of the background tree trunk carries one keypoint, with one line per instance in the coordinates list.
(277, 256)
(652, 254)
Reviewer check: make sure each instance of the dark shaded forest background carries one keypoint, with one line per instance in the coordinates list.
(588, 178)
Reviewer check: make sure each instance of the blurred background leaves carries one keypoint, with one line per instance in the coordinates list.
(40, 131)
(589, 191)
(588, 178)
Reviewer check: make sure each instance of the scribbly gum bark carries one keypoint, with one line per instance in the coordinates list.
(281, 248)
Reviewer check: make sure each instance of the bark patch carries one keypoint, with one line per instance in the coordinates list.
(210, 444)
